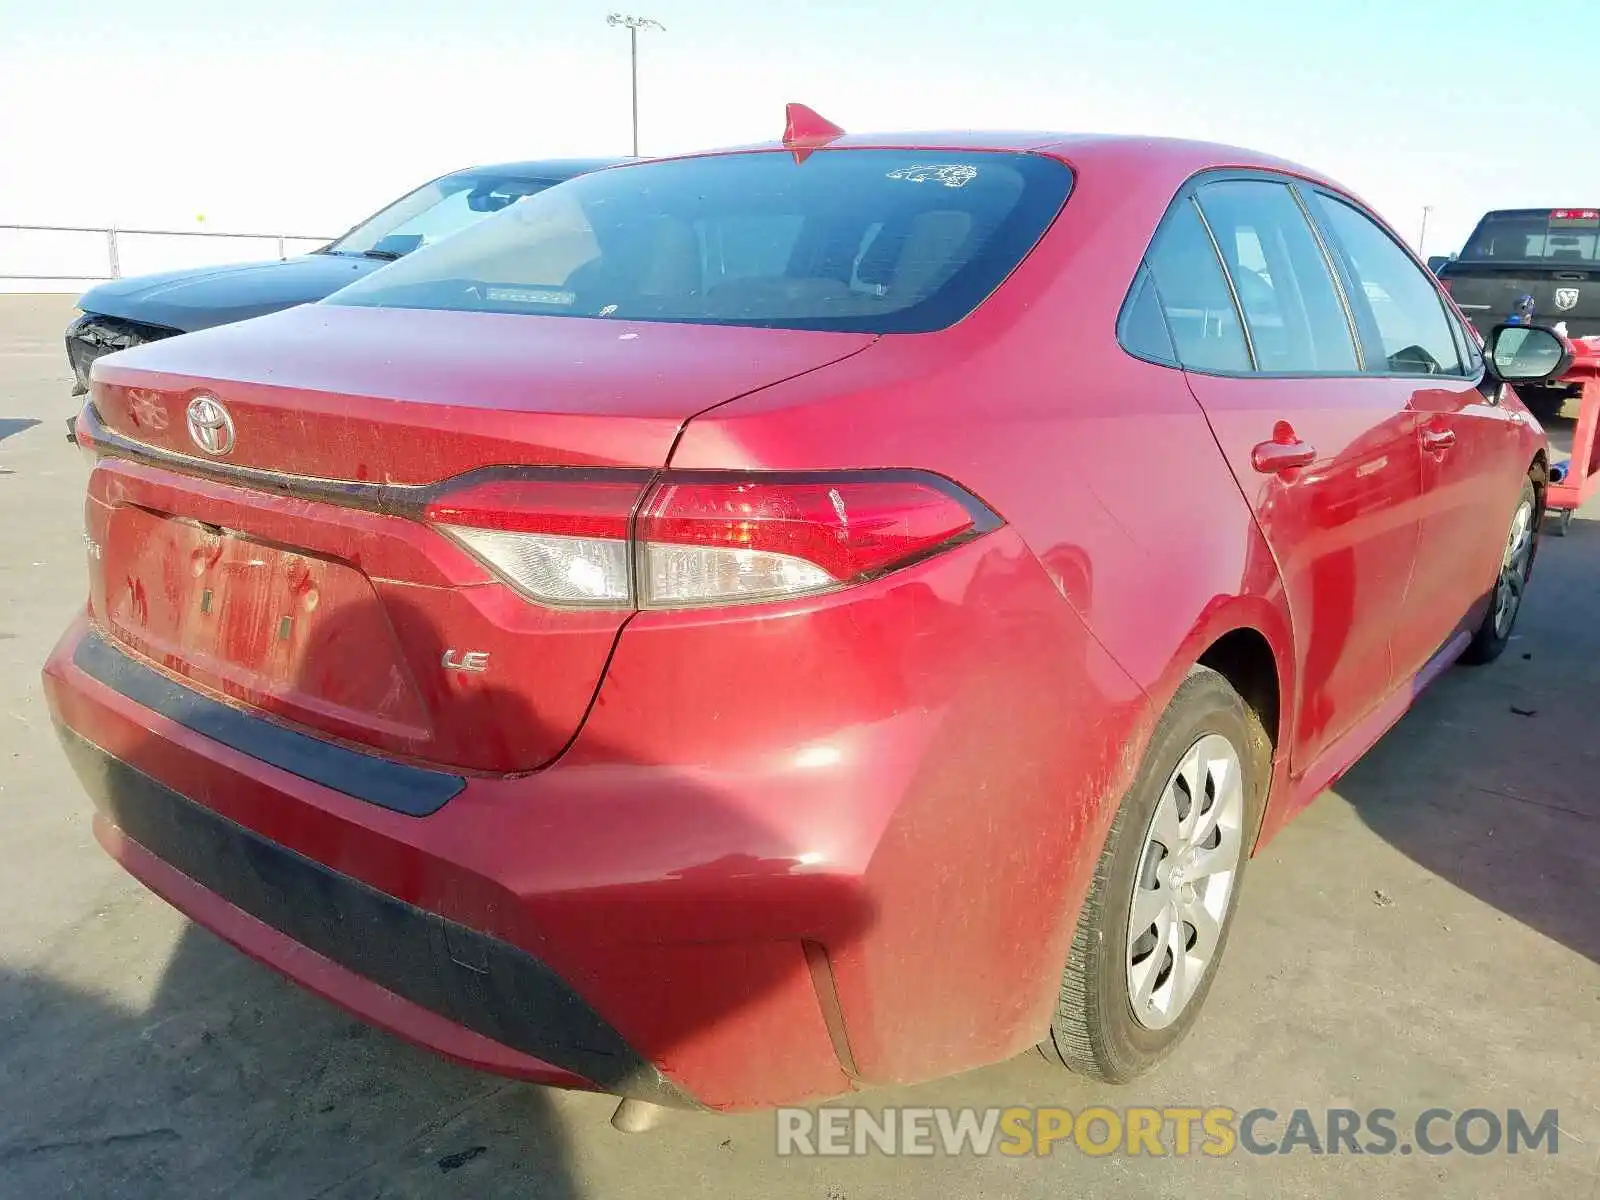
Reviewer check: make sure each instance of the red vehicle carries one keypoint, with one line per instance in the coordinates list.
(737, 629)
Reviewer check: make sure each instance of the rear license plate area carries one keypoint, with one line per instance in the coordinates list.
(289, 631)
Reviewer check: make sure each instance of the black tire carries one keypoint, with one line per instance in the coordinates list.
(1493, 634)
(1095, 1031)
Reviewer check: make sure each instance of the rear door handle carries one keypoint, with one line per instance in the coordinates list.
(1272, 457)
(1438, 440)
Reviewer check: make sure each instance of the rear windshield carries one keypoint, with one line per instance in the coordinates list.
(1539, 235)
(878, 241)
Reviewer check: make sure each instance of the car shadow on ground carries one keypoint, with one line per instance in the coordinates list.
(11, 425)
(234, 1082)
(1489, 781)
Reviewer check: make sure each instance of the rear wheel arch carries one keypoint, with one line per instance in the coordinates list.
(1250, 645)
(1249, 641)
(1244, 657)
(1246, 660)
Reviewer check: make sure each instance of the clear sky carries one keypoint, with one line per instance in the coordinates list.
(305, 115)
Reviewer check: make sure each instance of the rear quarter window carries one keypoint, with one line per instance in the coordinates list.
(1142, 327)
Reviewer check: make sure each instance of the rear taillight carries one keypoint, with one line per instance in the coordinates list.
(702, 539)
(559, 541)
(711, 541)
(1449, 289)
(1575, 214)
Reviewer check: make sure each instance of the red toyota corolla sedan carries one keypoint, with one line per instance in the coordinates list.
(737, 629)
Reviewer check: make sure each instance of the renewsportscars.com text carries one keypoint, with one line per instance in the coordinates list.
(1213, 1132)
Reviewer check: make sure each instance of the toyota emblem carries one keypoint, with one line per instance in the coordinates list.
(210, 425)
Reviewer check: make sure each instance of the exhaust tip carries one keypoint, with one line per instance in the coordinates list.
(637, 1116)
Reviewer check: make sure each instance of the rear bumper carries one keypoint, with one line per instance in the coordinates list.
(315, 972)
(390, 962)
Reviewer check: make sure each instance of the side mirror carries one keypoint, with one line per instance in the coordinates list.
(1527, 353)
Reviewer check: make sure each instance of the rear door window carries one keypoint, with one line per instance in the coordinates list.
(1194, 294)
(1298, 323)
(1403, 310)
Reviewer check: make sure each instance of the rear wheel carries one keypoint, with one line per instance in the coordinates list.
(1156, 919)
(1516, 564)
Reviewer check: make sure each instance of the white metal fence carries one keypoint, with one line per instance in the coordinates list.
(79, 254)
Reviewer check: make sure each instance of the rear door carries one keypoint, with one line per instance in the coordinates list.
(1469, 444)
(1325, 455)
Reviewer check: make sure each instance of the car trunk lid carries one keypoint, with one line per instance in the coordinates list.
(293, 572)
(407, 396)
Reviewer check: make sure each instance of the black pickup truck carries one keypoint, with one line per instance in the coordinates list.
(1549, 256)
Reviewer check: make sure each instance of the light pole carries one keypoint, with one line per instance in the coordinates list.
(1422, 238)
(633, 25)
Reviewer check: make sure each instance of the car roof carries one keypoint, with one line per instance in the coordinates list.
(542, 168)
